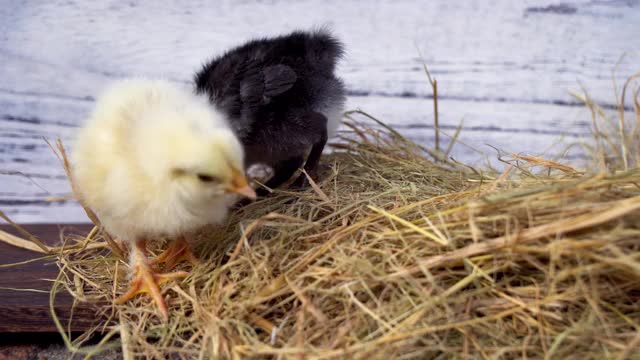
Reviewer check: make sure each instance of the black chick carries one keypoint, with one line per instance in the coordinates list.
(282, 97)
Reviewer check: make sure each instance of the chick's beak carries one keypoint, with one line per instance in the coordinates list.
(240, 186)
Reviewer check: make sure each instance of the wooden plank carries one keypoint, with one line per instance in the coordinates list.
(28, 311)
(505, 67)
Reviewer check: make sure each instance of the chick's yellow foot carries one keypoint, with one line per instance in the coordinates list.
(177, 252)
(145, 280)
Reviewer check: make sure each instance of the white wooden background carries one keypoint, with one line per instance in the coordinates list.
(504, 66)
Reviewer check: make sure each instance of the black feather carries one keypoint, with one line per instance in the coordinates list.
(278, 79)
(277, 93)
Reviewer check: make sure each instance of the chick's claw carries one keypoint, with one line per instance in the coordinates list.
(147, 281)
(177, 252)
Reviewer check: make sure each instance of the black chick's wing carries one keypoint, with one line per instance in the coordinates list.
(260, 85)
(250, 87)
(278, 79)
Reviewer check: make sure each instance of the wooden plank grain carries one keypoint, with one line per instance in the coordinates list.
(504, 67)
(24, 289)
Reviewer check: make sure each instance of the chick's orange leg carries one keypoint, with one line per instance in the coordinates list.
(145, 280)
(177, 252)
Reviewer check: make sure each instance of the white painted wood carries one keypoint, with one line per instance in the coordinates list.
(504, 66)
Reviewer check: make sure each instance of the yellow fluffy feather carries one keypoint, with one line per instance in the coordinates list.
(154, 160)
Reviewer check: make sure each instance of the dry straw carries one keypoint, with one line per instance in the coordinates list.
(392, 255)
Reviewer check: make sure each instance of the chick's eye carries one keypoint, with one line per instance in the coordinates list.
(207, 178)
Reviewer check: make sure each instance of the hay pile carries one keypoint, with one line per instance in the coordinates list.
(392, 255)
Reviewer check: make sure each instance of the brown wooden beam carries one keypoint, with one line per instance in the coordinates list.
(28, 311)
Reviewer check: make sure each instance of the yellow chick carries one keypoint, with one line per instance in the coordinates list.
(157, 160)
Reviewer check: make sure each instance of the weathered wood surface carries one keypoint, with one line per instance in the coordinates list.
(504, 66)
(25, 310)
